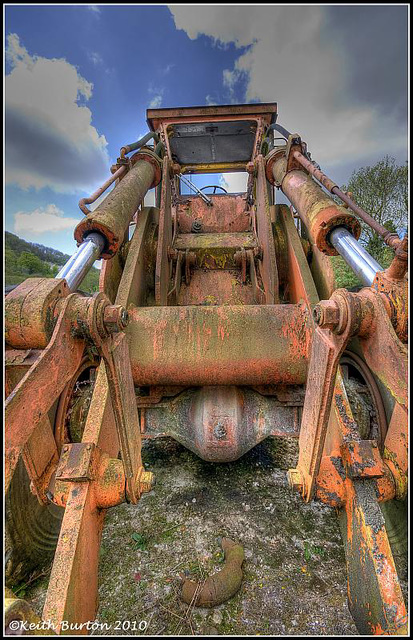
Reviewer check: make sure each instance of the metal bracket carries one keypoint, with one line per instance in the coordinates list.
(259, 293)
(76, 462)
(362, 459)
(294, 144)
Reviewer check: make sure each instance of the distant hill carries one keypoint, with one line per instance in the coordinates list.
(44, 253)
(29, 259)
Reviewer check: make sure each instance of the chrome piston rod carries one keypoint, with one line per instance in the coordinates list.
(357, 258)
(82, 260)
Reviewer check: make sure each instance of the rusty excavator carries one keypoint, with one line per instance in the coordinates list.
(218, 323)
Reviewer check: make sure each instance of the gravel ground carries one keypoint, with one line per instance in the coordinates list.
(294, 571)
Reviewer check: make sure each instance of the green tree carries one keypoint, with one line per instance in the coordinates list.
(29, 263)
(381, 190)
(10, 259)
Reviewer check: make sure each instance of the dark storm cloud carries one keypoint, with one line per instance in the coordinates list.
(38, 150)
(338, 73)
(375, 42)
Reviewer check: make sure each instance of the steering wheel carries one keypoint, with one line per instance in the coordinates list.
(214, 187)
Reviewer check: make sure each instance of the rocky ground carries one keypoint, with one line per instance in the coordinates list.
(294, 571)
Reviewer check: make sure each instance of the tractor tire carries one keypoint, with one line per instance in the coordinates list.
(395, 514)
(32, 530)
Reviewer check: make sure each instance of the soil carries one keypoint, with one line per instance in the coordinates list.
(294, 569)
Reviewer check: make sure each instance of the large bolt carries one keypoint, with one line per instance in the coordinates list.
(327, 314)
(295, 480)
(115, 318)
(196, 226)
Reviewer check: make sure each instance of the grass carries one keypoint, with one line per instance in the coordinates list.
(89, 285)
(344, 276)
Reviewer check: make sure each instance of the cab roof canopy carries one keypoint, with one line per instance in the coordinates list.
(216, 135)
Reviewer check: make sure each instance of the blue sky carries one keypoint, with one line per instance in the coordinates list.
(80, 78)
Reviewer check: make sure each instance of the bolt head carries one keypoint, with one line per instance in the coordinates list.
(115, 318)
(327, 314)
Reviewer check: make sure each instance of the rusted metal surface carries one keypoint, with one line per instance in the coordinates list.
(385, 354)
(300, 282)
(398, 268)
(167, 121)
(317, 173)
(40, 456)
(352, 361)
(29, 312)
(112, 217)
(395, 296)
(323, 273)
(126, 415)
(215, 250)
(72, 593)
(220, 587)
(392, 239)
(374, 593)
(354, 478)
(337, 319)
(319, 213)
(75, 464)
(135, 281)
(395, 452)
(324, 359)
(116, 358)
(226, 215)
(220, 424)
(206, 167)
(337, 322)
(16, 363)
(162, 270)
(213, 287)
(207, 345)
(361, 457)
(155, 117)
(111, 274)
(268, 261)
(84, 462)
(38, 389)
(84, 201)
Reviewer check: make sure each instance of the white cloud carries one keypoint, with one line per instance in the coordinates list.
(50, 139)
(94, 8)
(168, 68)
(234, 182)
(95, 57)
(210, 101)
(16, 54)
(48, 219)
(290, 60)
(156, 94)
(156, 101)
(149, 200)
